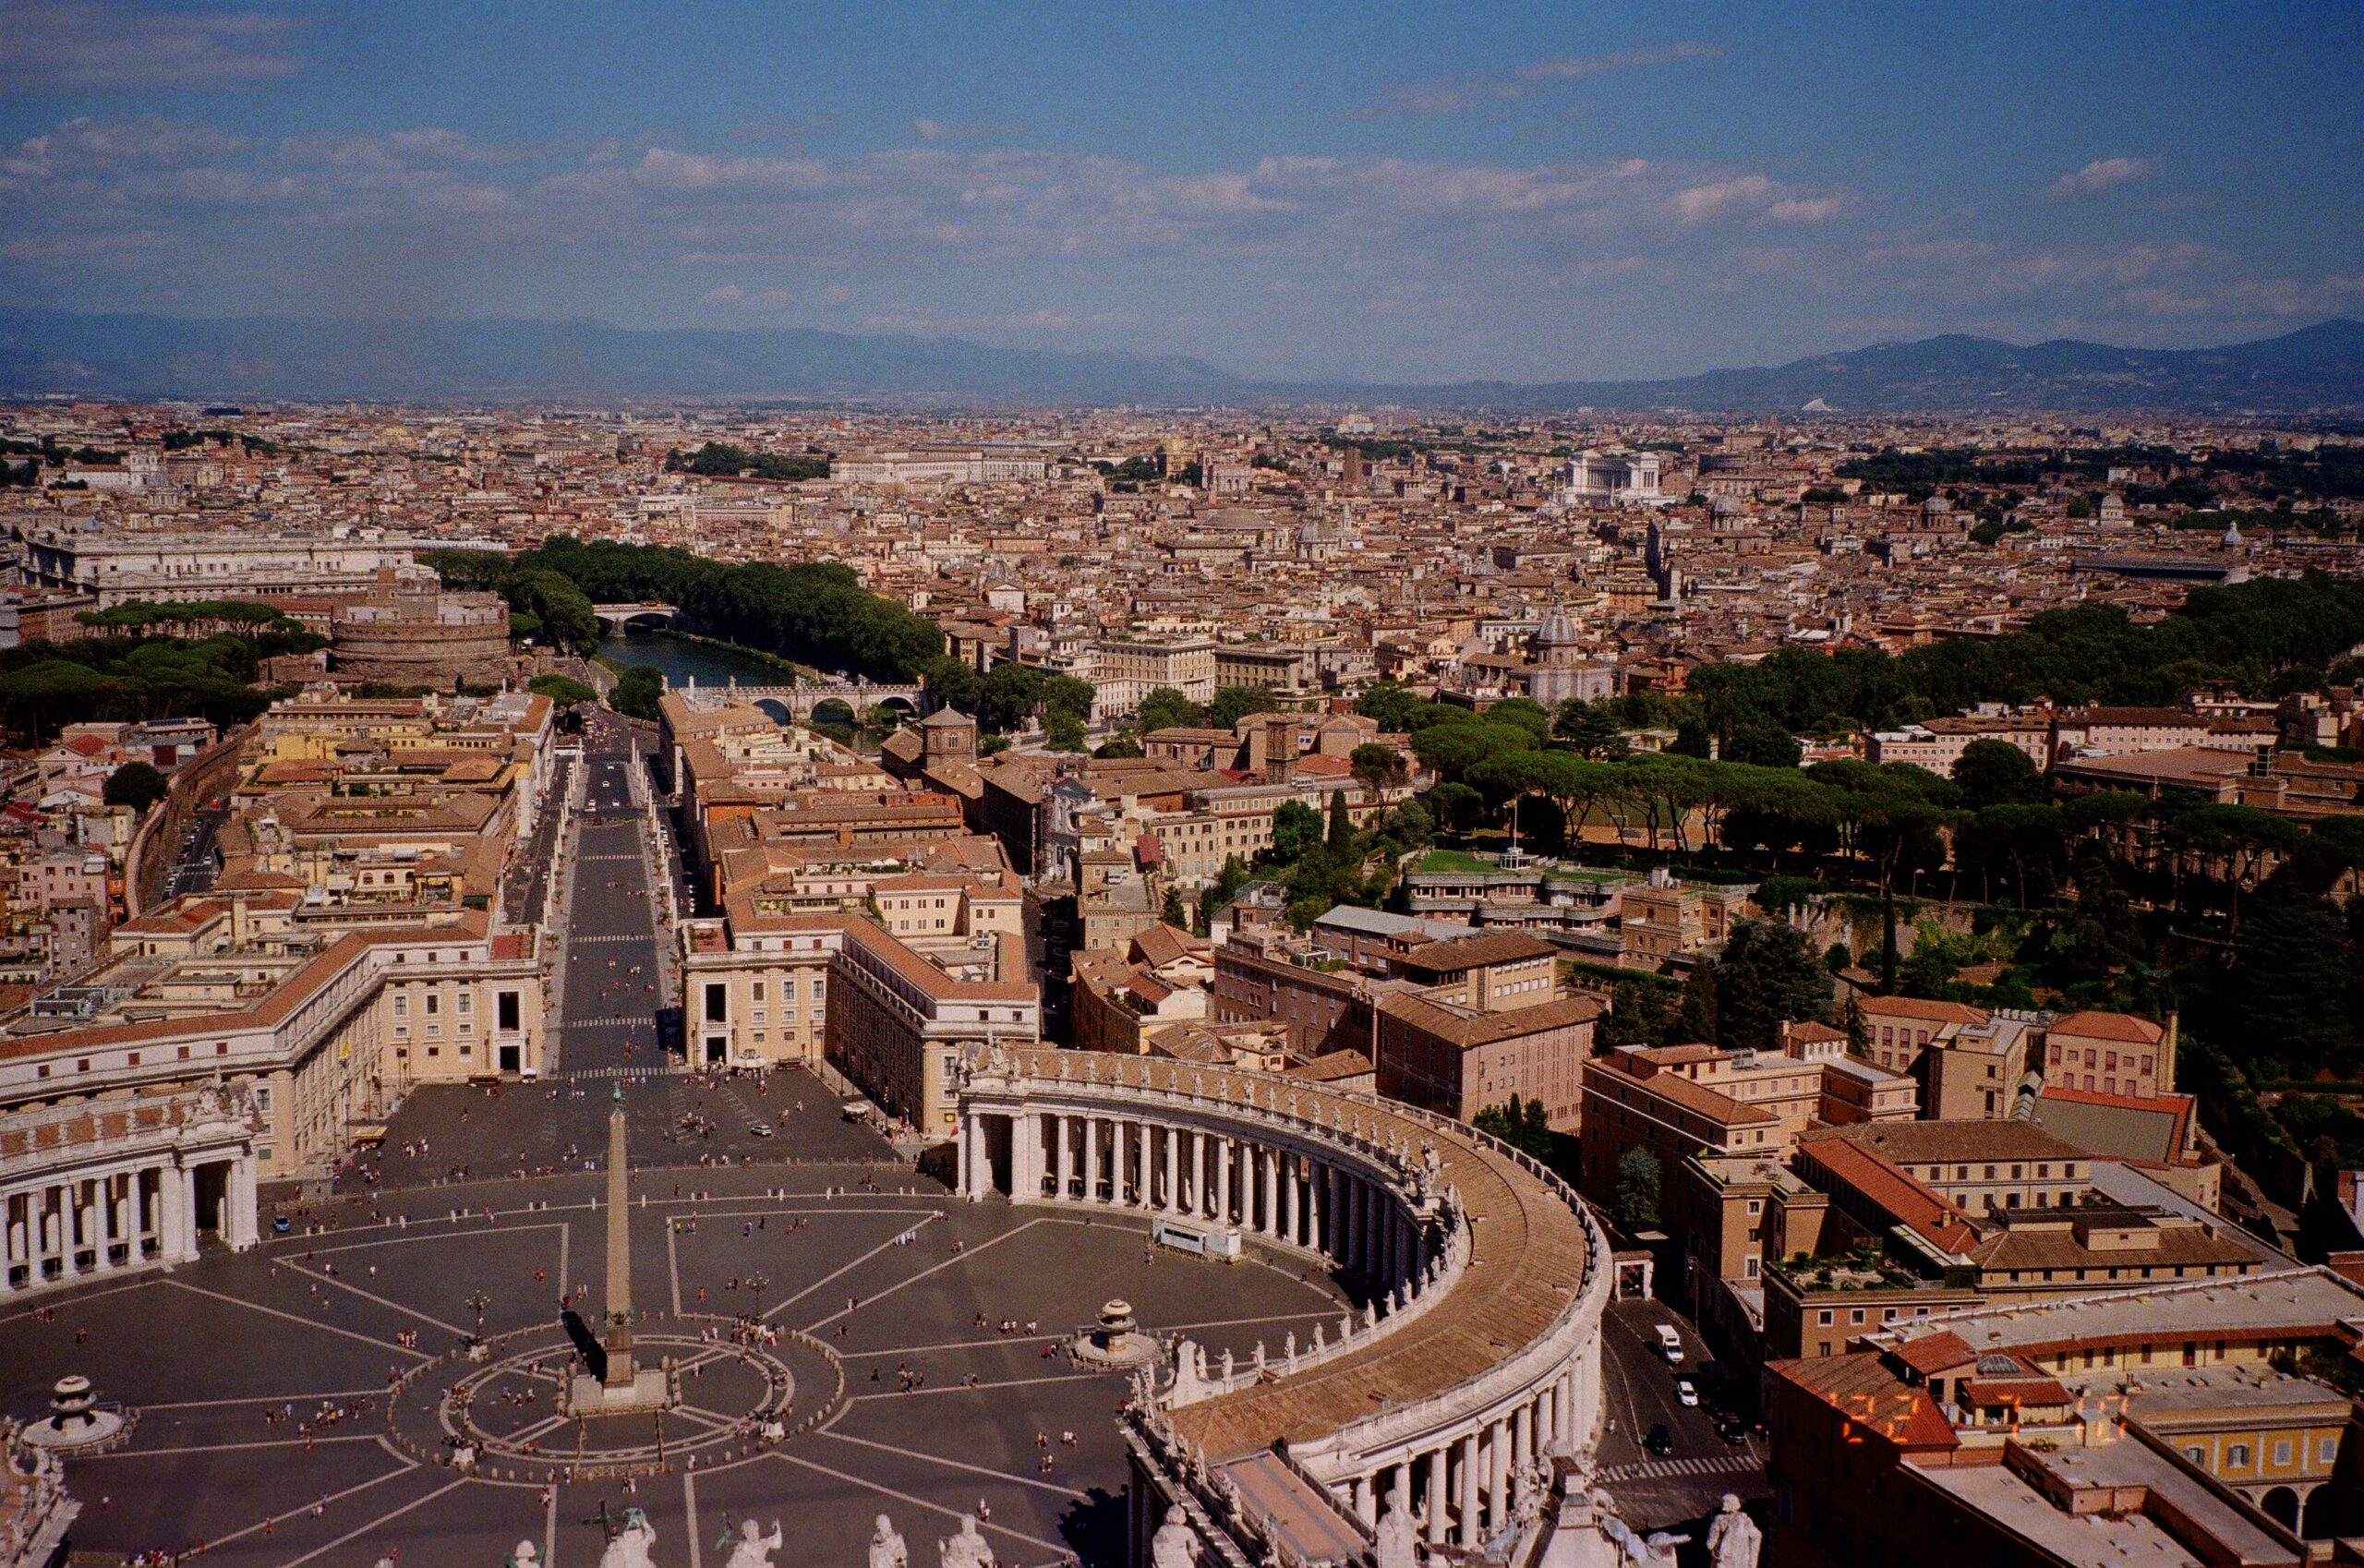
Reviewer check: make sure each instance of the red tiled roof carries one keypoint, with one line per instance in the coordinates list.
(1935, 1352)
(2122, 1027)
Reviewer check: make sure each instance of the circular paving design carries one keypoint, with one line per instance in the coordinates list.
(296, 1405)
(499, 1411)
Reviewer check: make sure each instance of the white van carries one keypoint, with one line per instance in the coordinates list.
(1669, 1345)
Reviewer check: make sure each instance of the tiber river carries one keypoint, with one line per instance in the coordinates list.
(682, 660)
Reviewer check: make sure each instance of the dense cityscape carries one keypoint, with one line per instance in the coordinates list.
(1107, 789)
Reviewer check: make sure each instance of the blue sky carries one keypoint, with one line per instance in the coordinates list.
(1398, 191)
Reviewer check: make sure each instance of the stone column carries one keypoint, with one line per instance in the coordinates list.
(70, 1203)
(1523, 1436)
(1143, 1184)
(1267, 1213)
(249, 1230)
(1365, 1509)
(1547, 1416)
(1466, 1458)
(1288, 1195)
(1065, 1157)
(1091, 1159)
(1439, 1461)
(169, 1220)
(1173, 1201)
(1226, 1151)
(1498, 1452)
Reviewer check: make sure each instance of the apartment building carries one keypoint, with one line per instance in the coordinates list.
(2142, 1426)
(1664, 916)
(1129, 668)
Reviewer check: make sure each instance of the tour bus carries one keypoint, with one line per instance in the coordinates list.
(1219, 1242)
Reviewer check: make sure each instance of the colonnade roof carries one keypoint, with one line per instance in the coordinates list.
(1527, 1258)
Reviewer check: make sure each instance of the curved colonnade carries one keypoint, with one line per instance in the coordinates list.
(1476, 1359)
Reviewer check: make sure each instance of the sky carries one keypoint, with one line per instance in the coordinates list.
(1407, 192)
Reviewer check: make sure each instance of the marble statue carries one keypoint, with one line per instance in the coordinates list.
(1734, 1538)
(525, 1556)
(1654, 1550)
(1398, 1543)
(1175, 1545)
(754, 1548)
(1319, 1345)
(967, 1550)
(1227, 1364)
(886, 1548)
(632, 1546)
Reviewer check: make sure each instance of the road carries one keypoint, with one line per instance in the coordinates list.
(1688, 1481)
(527, 885)
(199, 860)
(611, 1006)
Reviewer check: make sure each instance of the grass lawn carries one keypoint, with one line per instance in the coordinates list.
(1455, 861)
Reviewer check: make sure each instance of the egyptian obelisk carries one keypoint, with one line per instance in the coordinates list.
(617, 1339)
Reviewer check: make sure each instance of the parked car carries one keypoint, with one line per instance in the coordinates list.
(1733, 1432)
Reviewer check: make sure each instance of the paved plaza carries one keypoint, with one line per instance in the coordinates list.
(888, 1279)
(292, 1404)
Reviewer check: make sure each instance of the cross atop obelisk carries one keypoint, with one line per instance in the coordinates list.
(617, 1339)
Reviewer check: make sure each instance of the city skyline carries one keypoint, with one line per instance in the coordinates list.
(1526, 196)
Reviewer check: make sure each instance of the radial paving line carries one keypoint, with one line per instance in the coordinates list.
(327, 1328)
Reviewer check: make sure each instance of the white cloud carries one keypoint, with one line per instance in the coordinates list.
(2102, 174)
(1452, 94)
(1807, 209)
(113, 45)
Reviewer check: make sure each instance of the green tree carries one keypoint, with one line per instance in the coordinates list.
(636, 690)
(1695, 1018)
(1524, 1124)
(1524, 714)
(1636, 1205)
(1767, 976)
(1296, 828)
(1065, 693)
(1010, 696)
(1591, 729)
(1377, 766)
(1850, 1022)
(1458, 809)
(135, 784)
(1761, 743)
(1171, 910)
(2291, 977)
(1391, 704)
(1063, 732)
(1165, 708)
(562, 690)
(1232, 704)
(1995, 773)
(953, 683)
(1341, 839)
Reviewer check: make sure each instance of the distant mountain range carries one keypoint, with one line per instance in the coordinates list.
(2318, 368)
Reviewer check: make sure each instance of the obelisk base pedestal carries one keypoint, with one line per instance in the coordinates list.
(649, 1390)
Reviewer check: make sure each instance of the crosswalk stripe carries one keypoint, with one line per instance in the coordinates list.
(1661, 1469)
